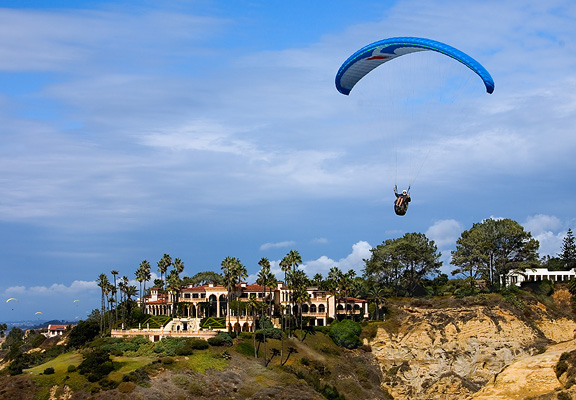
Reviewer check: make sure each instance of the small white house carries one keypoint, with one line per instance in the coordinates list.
(539, 274)
(56, 330)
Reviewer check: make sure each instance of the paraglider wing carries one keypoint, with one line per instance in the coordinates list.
(369, 57)
(38, 312)
(11, 299)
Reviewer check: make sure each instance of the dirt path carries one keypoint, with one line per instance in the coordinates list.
(530, 376)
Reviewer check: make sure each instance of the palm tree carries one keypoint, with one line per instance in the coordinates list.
(290, 351)
(178, 265)
(346, 285)
(174, 283)
(103, 284)
(229, 281)
(146, 275)
(332, 286)
(263, 274)
(241, 274)
(271, 282)
(123, 285)
(301, 295)
(289, 264)
(129, 291)
(163, 265)
(376, 293)
(275, 352)
(114, 273)
(140, 279)
(254, 306)
(317, 280)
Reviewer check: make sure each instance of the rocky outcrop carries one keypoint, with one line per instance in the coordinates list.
(451, 353)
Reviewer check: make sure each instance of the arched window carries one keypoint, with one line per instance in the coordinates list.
(321, 308)
(313, 308)
(304, 308)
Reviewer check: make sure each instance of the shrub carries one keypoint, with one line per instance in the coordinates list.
(49, 371)
(96, 364)
(167, 361)
(126, 387)
(198, 344)
(139, 377)
(269, 333)
(185, 350)
(71, 368)
(346, 334)
(221, 339)
(216, 341)
(245, 348)
(169, 345)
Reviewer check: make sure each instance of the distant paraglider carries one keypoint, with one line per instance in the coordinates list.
(366, 59)
(11, 300)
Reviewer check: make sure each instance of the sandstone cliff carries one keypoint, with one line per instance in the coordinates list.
(452, 353)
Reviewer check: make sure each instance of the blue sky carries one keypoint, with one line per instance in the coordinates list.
(207, 129)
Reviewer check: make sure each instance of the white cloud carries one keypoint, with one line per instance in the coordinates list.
(547, 229)
(445, 232)
(354, 261)
(277, 245)
(538, 224)
(55, 289)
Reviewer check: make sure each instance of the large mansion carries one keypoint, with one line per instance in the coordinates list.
(195, 303)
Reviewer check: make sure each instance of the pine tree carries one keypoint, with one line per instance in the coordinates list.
(568, 254)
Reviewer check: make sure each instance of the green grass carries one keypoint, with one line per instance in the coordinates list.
(61, 375)
(203, 360)
(124, 365)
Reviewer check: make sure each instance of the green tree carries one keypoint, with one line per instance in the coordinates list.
(346, 333)
(3, 328)
(552, 263)
(83, 333)
(404, 262)
(384, 267)
(202, 278)
(493, 248)
(568, 254)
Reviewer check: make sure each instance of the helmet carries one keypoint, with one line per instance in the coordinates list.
(404, 191)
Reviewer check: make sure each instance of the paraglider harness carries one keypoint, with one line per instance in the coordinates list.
(401, 202)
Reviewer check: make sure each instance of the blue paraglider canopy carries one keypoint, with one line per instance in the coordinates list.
(369, 57)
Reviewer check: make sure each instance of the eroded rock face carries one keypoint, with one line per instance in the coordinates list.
(452, 353)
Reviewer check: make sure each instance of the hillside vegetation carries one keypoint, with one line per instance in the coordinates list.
(444, 347)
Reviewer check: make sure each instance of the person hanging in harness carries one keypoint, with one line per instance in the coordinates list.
(401, 202)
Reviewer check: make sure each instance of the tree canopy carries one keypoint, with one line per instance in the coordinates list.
(492, 248)
(401, 264)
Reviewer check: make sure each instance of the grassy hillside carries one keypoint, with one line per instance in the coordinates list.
(315, 368)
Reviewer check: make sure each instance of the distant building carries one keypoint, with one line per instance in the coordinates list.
(538, 274)
(57, 330)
